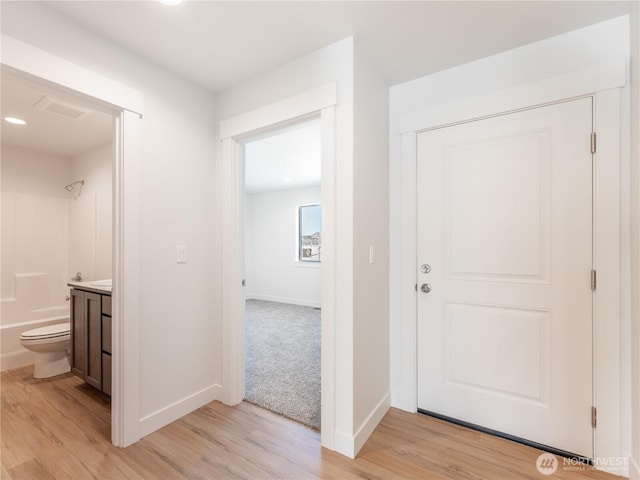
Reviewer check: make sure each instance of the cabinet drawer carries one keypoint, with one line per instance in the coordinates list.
(106, 373)
(93, 373)
(106, 305)
(106, 334)
(78, 334)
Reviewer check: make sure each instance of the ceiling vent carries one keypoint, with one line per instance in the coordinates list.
(59, 107)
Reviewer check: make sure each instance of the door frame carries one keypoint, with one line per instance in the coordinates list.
(320, 102)
(611, 200)
(126, 106)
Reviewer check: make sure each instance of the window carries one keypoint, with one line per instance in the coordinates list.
(309, 233)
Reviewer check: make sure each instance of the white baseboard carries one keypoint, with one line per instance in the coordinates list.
(350, 445)
(291, 301)
(372, 421)
(634, 469)
(344, 444)
(173, 412)
(403, 401)
(18, 358)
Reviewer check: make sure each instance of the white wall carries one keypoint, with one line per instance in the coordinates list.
(330, 64)
(359, 222)
(271, 267)
(34, 173)
(371, 230)
(635, 240)
(91, 216)
(594, 46)
(180, 364)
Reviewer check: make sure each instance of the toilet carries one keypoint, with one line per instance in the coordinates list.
(51, 345)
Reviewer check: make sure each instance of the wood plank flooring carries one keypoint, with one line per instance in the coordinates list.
(59, 429)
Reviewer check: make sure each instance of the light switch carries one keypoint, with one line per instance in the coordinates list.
(372, 254)
(181, 254)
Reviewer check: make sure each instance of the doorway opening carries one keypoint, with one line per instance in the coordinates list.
(283, 261)
(57, 220)
(320, 101)
(125, 105)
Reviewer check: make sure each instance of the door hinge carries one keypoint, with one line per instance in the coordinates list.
(416, 286)
(593, 142)
(594, 414)
(244, 282)
(593, 279)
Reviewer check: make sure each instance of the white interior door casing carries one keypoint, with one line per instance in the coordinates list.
(319, 101)
(126, 104)
(504, 219)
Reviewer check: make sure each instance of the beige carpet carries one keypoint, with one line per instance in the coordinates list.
(282, 359)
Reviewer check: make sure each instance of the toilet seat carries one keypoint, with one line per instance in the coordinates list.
(49, 332)
(50, 345)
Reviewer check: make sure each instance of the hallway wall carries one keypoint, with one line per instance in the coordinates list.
(360, 340)
(271, 269)
(591, 47)
(178, 201)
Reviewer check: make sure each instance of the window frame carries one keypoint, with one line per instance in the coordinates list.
(299, 258)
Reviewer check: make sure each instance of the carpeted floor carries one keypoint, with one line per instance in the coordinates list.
(282, 363)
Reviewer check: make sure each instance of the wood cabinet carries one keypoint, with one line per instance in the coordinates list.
(106, 344)
(91, 338)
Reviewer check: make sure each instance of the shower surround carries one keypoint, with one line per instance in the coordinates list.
(35, 262)
(48, 234)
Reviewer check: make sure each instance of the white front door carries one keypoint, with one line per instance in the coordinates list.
(505, 224)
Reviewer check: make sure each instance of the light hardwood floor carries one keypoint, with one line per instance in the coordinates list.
(59, 429)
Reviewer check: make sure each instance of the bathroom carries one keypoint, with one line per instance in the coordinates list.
(56, 200)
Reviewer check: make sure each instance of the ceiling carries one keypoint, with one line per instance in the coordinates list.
(284, 160)
(218, 44)
(47, 132)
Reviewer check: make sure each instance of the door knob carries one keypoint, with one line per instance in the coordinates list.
(425, 287)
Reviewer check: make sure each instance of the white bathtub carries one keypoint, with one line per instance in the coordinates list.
(12, 354)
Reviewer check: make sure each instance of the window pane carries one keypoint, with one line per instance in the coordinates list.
(310, 225)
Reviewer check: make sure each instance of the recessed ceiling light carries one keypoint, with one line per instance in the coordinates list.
(286, 179)
(15, 121)
(171, 3)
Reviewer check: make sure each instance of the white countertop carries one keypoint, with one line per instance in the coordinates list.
(102, 286)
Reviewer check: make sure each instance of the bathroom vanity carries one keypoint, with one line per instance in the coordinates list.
(91, 333)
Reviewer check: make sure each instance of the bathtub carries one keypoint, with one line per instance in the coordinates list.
(12, 354)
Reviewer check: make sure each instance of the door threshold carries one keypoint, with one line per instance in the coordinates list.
(506, 436)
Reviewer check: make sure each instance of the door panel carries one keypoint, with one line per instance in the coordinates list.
(517, 369)
(514, 197)
(505, 222)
